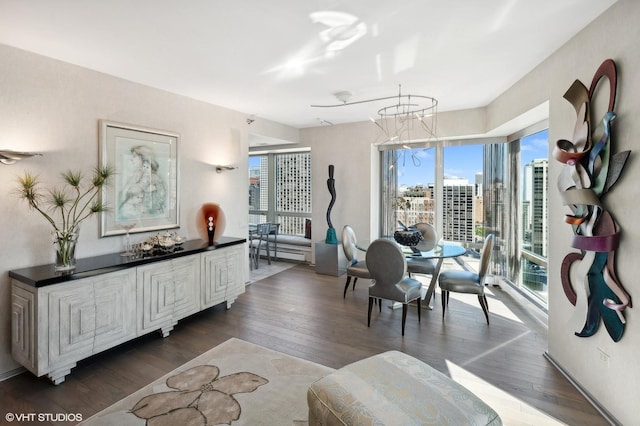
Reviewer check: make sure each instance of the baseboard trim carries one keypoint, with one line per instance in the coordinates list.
(9, 374)
(606, 414)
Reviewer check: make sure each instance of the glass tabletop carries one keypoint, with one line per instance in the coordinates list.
(441, 250)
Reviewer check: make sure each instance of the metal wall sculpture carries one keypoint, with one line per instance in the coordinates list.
(591, 169)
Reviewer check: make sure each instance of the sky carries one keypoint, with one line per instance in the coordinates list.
(461, 161)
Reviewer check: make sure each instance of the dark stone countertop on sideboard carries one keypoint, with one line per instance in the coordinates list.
(43, 275)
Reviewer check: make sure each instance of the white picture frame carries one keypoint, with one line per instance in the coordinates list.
(143, 195)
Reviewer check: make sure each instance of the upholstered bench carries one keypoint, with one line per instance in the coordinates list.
(393, 388)
(293, 247)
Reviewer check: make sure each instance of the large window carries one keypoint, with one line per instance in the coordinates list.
(280, 190)
(412, 174)
(470, 190)
(534, 213)
(462, 213)
(448, 197)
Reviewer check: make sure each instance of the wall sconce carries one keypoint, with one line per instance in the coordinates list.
(220, 168)
(10, 157)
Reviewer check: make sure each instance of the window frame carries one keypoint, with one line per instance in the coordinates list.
(271, 214)
(507, 264)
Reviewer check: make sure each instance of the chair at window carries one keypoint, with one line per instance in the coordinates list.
(417, 265)
(468, 281)
(272, 238)
(256, 239)
(388, 268)
(355, 268)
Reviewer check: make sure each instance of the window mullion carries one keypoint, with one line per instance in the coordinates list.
(271, 215)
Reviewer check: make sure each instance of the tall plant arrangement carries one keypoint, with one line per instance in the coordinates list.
(66, 206)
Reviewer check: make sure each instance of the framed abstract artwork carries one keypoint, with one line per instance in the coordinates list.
(143, 196)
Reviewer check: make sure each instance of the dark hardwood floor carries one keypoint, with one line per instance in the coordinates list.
(301, 313)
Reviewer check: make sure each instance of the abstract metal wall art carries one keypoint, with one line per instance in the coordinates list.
(590, 171)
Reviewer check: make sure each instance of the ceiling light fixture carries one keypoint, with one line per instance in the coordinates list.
(343, 97)
(397, 121)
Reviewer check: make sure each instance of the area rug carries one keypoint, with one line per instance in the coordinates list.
(235, 383)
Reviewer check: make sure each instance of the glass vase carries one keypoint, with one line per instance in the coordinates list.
(65, 244)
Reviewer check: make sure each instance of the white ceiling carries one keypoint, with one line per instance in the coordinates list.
(267, 58)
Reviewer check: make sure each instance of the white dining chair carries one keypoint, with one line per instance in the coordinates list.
(468, 281)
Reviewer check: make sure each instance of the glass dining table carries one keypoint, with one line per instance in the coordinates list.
(443, 250)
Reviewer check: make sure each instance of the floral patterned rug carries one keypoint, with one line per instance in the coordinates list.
(235, 383)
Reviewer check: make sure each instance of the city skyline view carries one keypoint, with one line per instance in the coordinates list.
(287, 200)
(461, 161)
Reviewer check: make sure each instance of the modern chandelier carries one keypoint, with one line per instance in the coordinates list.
(411, 116)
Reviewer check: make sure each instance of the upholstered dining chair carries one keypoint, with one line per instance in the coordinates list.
(355, 268)
(429, 236)
(468, 281)
(388, 268)
(417, 265)
(256, 239)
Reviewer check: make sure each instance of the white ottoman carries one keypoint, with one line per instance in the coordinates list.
(393, 388)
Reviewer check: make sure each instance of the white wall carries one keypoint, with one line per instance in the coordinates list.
(53, 107)
(614, 35)
(614, 384)
(348, 151)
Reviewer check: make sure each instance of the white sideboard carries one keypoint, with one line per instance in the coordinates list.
(60, 320)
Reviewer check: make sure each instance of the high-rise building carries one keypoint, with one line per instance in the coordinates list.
(478, 183)
(254, 188)
(536, 186)
(290, 203)
(293, 182)
(459, 206)
(458, 210)
(478, 200)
